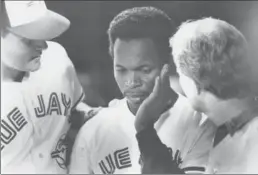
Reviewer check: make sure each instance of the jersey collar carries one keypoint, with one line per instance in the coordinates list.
(238, 122)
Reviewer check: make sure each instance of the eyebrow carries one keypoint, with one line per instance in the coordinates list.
(118, 65)
(138, 67)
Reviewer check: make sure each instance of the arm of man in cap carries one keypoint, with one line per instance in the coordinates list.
(155, 156)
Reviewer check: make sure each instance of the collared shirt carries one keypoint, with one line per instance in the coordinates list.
(238, 152)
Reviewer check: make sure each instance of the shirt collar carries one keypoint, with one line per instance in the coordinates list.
(237, 123)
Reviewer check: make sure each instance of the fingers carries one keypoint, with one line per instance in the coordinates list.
(165, 83)
(156, 88)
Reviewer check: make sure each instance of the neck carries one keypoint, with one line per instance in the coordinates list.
(10, 74)
(224, 111)
(132, 108)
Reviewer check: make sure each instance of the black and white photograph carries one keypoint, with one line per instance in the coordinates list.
(129, 87)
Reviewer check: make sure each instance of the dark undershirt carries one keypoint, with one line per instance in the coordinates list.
(155, 156)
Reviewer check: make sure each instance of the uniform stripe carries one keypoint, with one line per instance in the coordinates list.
(194, 169)
(78, 101)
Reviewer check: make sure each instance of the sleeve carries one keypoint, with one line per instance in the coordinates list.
(78, 93)
(16, 131)
(252, 150)
(76, 87)
(156, 158)
(80, 157)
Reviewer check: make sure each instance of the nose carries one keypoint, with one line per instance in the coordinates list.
(133, 80)
(40, 45)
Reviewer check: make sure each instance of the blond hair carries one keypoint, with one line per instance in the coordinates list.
(214, 54)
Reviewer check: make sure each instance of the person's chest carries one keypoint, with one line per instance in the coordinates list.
(189, 135)
(115, 149)
(236, 154)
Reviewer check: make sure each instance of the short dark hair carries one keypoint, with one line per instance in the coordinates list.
(143, 22)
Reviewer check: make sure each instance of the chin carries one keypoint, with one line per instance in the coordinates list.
(134, 105)
(197, 105)
(34, 67)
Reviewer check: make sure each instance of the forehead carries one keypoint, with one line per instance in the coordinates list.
(135, 52)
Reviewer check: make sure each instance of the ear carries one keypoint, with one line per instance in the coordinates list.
(188, 85)
(175, 85)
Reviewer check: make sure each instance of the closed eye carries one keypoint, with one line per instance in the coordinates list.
(120, 69)
(146, 70)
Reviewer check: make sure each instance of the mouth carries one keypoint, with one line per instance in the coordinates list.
(36, 58)
(136, 98)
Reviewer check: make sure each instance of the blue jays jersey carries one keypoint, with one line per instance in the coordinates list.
(107, 143)
(49, 95)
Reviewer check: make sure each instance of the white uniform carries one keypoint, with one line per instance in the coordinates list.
(49, 95)
(189, 133)
(237, 154)
(107, 143)
(16, 130)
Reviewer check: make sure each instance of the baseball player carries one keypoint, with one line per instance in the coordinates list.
(139, 46)
(217, 76)
(40, 90)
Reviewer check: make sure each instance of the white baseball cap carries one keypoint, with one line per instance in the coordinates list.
(32, 20)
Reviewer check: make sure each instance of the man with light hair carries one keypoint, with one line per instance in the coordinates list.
(217, 76)
(39, 90)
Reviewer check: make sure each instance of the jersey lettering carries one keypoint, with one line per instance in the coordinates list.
(40, 111)
(110, 163)
(9, 130)
(121, 158)
(17, 119)
(53, 105)
(67, 104)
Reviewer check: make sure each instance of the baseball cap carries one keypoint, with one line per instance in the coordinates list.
(32, 20)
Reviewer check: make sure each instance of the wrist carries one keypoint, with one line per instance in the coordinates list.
(143, 126)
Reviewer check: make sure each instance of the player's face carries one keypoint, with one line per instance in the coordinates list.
(136, 65)
(21, 53)
(218, 110)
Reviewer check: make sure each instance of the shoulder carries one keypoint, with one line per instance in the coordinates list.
(181, 112)
(251, 130)
(55, 47)
(55, 58)
(54, 54)
(13, 96)
(106, 121)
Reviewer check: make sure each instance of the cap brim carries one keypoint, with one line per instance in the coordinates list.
(49, 26)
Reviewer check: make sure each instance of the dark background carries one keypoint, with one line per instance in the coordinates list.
(87, 44)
